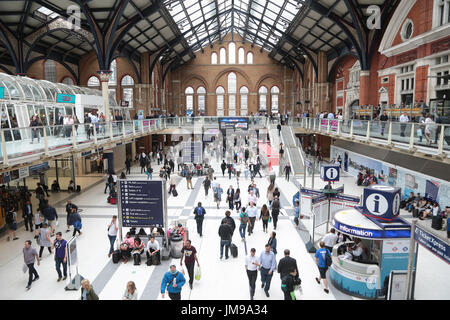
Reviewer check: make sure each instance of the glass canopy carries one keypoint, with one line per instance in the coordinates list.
(31, 90)
(258, 21)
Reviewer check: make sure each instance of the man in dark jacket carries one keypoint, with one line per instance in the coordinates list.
(230, 221)
(279, 129)
(69, 207)
(51, 215)
(286, 264)
(128, 165)
(225, 234)
(27, 213)
(223, 166)
(172, 165)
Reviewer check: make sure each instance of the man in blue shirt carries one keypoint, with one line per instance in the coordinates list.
(268, 264)
(60, 255)
(199, 213)
(322, 264)
(172, 281)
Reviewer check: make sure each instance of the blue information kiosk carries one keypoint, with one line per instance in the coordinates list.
(385, 238)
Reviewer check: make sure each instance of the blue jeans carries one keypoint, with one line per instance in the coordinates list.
(225, 243)
(242, 228)
(58, 262)
(112, 240)
(266, 278)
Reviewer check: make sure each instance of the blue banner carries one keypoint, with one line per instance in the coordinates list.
(370, 233)
(346, 198)
(431, 190)
(141, 203)
(2, 92)
(39, 168)
(438, 247)
(65, 98)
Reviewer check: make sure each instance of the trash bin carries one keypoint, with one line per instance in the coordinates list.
(176, 244)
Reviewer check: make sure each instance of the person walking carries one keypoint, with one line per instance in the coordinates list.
(51, 215)
(252, 212)
(237, 199)
(128, 165)
(199, 213)
(275, 211)
(225, 234)
(113, 228)
(206, 185)
(11, 220)
(172, 183)
(189, 179)
(60, 246)
(230, 221)
(77, 225)
(286, 264)
(288, 284)
(268, 264)
(230, 170)
(218, 195)
(69, 207)
(272, 242)
(279, 129)
(223, 166)
(189, 253)
(251, 267)
(287, 170)
(297, 213)
(403, 119)
(130, 292)
(87, 291)
(29, 256)
(172, 282)
(44, 239)
(143, 161)
(27, 214)
(330, 239)
(322, 265)
(230, 197)
(243, 218)
(265, 217)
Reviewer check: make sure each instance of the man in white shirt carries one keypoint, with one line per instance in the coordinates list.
(251, 266)
(112, 234)
(330, 115)
(153, 249)
(403, 120)
(330, 239)
(252, 212)
(252, 197)
(214, 184)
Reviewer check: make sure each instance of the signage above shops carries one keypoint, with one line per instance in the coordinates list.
(436, 246)
(65, 98)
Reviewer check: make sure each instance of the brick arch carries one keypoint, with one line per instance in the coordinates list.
(270, 76)
(188, 78)
(237, 71)
(339, 62)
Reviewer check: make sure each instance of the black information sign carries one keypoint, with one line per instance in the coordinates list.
(141, 203)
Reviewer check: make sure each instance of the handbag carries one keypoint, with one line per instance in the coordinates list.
(198, 273)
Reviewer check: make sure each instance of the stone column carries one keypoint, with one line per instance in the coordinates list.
(364, 82)
(104, 79)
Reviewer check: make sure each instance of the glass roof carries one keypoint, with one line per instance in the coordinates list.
(27, 89)
(261, 22)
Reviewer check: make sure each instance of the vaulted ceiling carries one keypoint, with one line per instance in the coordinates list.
(290, 30)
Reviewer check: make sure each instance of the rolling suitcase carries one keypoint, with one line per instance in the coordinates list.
(174, 192)
(436, 222)
(234, 250)
(116, 256)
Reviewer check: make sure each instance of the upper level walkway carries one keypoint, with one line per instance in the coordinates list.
(25, 145)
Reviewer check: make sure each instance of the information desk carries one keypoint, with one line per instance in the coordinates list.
(386, 248)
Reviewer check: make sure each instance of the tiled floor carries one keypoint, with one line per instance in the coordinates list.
(224, 279)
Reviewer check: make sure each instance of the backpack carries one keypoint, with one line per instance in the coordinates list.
(284, 280)
(328, 260)
(78, 225)
(199, 211)
(9, 217)
(244, 219)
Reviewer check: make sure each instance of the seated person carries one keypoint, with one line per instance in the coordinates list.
(410, 202)
(328, 186)
(71, 187)
(419, 207)
(359, 179)
(347, 254)
(55, 186)
(142, 232)
(157, 231)
(357, 250)
(434, 210)
(153, 250)
(126, 247)
(138, 249)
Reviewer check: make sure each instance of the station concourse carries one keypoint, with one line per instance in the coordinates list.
(344, 103)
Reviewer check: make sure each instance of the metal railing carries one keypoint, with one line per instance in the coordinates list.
(408, 135)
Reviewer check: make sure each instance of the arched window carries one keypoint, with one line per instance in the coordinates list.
(220, 92)
(241, 56)
(262, 98)
(232, 94)
(93, 82)
(127, 90)
(244, 101)
(189, 92)
(201, 94)
(231, 53)
(68, 81)
(274, 92)
(223, 56)
(249, 58)
(50, 70)
(214, 58)
(113, 76)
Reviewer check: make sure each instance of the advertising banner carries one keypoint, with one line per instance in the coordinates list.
(333, 125)
(438, 247)
(65, 98)
(141, 203)
(72, 251)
